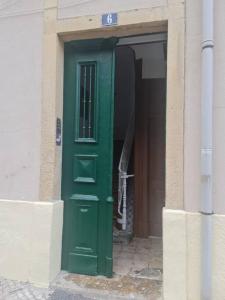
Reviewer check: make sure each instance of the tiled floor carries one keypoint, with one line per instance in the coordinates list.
(137, 274)
(139, 258)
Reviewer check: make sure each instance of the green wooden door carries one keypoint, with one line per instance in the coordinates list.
(87, 157)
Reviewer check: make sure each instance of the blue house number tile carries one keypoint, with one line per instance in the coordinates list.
(109, 19)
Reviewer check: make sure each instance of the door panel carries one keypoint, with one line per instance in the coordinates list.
(87, 157)
(150, 157)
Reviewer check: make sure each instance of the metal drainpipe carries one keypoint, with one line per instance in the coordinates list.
(206, 146)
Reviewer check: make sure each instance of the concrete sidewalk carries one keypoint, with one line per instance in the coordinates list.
(77, 287)
(15, 290)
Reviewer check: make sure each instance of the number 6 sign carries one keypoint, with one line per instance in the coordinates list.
(109, 19)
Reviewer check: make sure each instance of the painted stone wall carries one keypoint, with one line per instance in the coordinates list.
(182, 255)
(192, 107)
(75, 8)
(21, 32)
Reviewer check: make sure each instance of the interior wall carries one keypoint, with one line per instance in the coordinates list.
(150, 140)
(153, 58)
(150, 157)
(124, 90)
(150, 129)
(156, 89)
(153, 66)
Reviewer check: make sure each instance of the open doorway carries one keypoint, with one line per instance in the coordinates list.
(139, 156)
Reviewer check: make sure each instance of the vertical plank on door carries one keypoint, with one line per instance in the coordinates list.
(141, 202)
(149, 156)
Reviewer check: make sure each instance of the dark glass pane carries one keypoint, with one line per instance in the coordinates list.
(87, 100)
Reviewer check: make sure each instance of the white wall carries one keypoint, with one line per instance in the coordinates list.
(20, 7)
(153, 59)
(21, 31)
(153, 66)
(74, 8)
(192, 107)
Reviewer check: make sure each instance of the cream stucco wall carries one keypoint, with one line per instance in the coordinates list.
(192, 107)
(30, 240)
(30, 231)
(182, 255)
(77, 8)
(21, 33)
